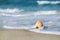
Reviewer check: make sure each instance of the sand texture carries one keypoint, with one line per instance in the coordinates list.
(25, 35)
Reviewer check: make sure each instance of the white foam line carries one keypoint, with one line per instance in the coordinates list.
(46, 32)
(12, 15)
(33, 30)
(48, 2)
(10, 27)
(8, 10)
(45, 12)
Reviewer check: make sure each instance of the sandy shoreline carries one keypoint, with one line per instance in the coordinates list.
(25, 35)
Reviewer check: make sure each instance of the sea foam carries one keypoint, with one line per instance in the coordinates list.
(18, 12)
(8, 10)
(34, 30)
(48, 2)
(45, 31)
(45, 12)
(11, 12)
(11, 27)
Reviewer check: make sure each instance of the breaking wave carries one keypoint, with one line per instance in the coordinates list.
(21, 12)
(15, 10)
(45, 12)
(48, 2)
(11, 12)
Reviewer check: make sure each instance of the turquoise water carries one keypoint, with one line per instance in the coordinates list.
(29, 5)
(23, 14)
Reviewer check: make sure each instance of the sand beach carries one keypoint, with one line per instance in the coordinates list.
(20, 34)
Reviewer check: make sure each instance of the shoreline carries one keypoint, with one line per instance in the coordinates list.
(21, 34)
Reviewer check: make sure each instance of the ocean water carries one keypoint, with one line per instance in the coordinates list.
(23, 14)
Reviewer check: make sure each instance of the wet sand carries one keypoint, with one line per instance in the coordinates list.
(25, 35)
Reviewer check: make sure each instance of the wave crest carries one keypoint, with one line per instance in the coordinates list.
(45, 12)
(11, 12)
(48, 2)
(15, 10)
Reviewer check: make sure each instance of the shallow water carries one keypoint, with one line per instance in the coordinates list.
(50, 21)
